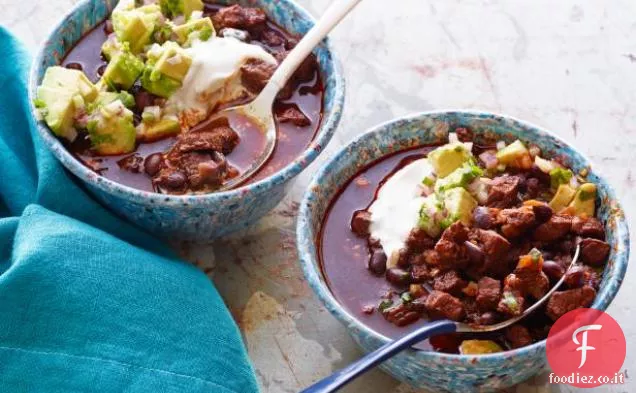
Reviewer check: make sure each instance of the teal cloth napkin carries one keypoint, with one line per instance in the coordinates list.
(88, 302)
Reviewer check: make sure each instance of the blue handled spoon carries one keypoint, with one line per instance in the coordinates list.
(342, 377)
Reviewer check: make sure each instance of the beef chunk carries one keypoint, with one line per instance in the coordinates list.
(272, 38)
(442, 305)
(239, 17)
(564, 301)
(529, 282)
(451, 249)
(222, 139)
(555, 228)
(450, 282)
(420, 273)
(360, 223)
(579, 276)
(488, 293)
(464, 134)
(292, 114)
(503, 191)
(518, 336)
(419, 241)
(485, 217)
(512, 303)
(201, 169)
(403, 313)
(495, 248)
(588, 227)
(132, 163)
(306, 69)
(255, 74)
(594, 252)
(516, 221)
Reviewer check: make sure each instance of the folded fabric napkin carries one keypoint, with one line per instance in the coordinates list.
(87, 301)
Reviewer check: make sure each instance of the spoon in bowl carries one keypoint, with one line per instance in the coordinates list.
(340, 378)
(260, 109)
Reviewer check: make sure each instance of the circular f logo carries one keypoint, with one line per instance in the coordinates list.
(585, 344)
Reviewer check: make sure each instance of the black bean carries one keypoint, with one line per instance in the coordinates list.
(542, 213)
(475, 253)
(175, 180)
(74, 66)
(143, 99)
(152, 164)
(532, 187)
(575, 277)
(553, 270)
(377, 262)
(482, 217)
(101, 69)
(398, 276)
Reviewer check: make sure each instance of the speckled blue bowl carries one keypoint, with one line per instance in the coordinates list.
(191, 217)
(430, 370)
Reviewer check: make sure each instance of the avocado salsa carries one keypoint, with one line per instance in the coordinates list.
(136, 99)
(489, 226)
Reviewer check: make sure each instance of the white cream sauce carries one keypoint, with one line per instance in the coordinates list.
(395, 212)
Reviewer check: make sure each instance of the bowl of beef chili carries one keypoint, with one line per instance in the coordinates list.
(485, 209)
(125, 95)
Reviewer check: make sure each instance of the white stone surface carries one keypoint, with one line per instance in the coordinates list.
(567, 65)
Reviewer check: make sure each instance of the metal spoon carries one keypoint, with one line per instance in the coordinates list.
(340, 378)
(260, 109)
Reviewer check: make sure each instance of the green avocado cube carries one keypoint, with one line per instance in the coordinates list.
(111, 47)
(111, 129)
(58, 110)
(122, 71)
(158, 84)
(173, 63)
(562, 198)
(201, 29)
(460, 177)
(512, 153)
(72, 81)
(173, 8)
(479, 347)
(135, 26)
(459, 206)
(449, 157)
(430, 215)
(584, 200)
(163, 128)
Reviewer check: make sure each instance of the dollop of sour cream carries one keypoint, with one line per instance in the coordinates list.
(395, 211)
(213, 76)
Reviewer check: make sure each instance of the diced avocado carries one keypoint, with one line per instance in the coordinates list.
(135, 26)
(112, 47)
(459, 205)
(158, 130)
(584, 200)
(106, 97)
(201, 29)
(123, 70)
(560, 176)
(173, 8)
(58, 110)
(562, 197)
(515, 154)
(430, 214)
(479, 347)
(167, 65)
(174, 62)
(72, 81)
(449, 157)
(111, 129)
(460, 177)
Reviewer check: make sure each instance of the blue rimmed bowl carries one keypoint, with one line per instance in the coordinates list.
(431, 370)
(191, 217)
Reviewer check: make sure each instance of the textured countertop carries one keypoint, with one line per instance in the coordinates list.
(568, 65)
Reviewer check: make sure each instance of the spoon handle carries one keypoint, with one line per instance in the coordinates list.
(340, 378)
(334, 14)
